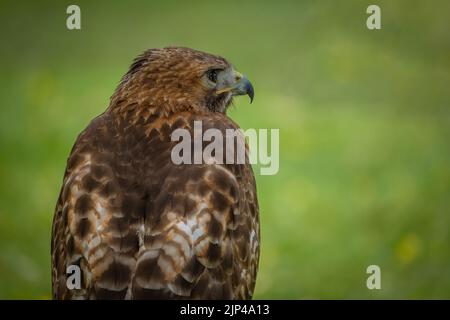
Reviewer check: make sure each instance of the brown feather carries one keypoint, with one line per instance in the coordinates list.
(140, 226)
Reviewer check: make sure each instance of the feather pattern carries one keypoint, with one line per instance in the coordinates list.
(139, 226)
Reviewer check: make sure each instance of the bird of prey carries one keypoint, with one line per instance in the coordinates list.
(136, 224)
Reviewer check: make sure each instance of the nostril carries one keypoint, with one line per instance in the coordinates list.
(237, 78)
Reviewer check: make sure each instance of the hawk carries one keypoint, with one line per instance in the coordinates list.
(139, 226)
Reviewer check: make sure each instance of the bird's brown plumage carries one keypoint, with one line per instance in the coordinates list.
(140, 226)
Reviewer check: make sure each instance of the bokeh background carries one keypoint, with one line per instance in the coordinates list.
(364, 121)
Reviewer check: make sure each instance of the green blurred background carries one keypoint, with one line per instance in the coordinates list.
(364, 121)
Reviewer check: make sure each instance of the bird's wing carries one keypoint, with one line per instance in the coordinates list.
(191, 248)
(96, 218)
(201, 232)
(139, 226)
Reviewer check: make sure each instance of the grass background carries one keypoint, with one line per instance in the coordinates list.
(363, 115)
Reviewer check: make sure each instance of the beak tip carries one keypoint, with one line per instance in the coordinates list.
(250, 91)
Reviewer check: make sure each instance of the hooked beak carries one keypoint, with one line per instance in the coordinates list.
(242, 86)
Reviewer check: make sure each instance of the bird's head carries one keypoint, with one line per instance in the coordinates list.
(178, 79)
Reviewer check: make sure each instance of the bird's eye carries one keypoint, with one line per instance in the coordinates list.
(212, 75)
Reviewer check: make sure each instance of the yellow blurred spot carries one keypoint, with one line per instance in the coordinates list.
(408, 248)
